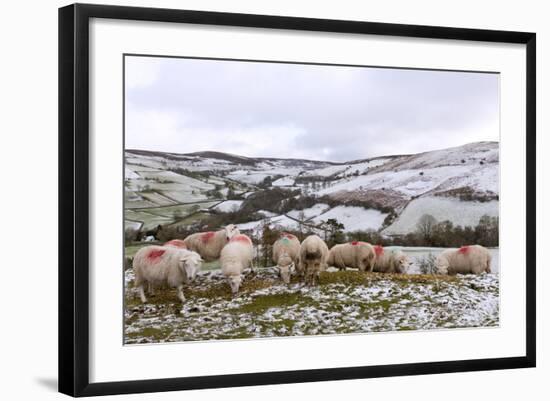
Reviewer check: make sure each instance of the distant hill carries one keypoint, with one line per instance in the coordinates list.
(459, 184)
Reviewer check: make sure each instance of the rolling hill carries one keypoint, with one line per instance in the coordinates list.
(459, 184)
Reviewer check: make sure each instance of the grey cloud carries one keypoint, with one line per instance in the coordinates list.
(344, 113)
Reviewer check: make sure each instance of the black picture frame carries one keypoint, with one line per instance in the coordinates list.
(74, 200)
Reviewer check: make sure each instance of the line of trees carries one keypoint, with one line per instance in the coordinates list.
(430, 232)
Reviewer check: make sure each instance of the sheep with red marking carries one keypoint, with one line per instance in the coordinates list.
(313, 259)
(176, 243)
(390, 260)
(209, 244)
(236, 256)
(470, 259)
(357, 254)
(164, 265)
(286, 253)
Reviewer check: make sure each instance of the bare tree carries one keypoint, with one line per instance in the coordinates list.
(425, 227)
(301, 218)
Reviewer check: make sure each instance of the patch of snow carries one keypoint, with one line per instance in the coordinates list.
(464, 213)
(130, 174)
(310, 212)
(228, 206)
(284, 182)
(266, 213)
(354, 218)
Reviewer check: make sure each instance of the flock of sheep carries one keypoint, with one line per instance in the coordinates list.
(177, 262)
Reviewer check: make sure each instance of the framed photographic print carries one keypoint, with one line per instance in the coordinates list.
(251, 199)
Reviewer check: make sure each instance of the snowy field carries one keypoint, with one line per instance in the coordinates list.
(343, 302)
(467, 213)
(354, 218)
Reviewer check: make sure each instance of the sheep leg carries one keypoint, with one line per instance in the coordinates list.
(252, 270)
(141, 291)
(180, 293)
(151, 289)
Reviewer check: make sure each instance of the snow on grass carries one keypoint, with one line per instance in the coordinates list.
(135, 203)
(325, 171)
(284, 182)
(310, 212)
(464, 213)
(182, 210)
(344, 302)
(149, 220)
(346, 169)
(130, 174)
(137, 168)
(266, 213)
(354, 218)
(186, 196)
(408, 182)
(229, 206)
(248, 176)
(471, 154)
(132, 225)
(170, 176)
(284, 222)
(157, 198)
(280, 222)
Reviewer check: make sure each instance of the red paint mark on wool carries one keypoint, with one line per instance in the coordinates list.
(155, 254)
(241, 238)
(378, 250)
(355, 243)
(205, 237)
(178, 243)
(288, 235)
(464, 249)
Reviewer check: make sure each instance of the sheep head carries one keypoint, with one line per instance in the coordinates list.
(402, 264)
(285, 266)
(190, 264)
(235, 282)
(442, 265)
(230, 231)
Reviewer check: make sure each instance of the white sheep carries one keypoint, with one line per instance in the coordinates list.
(357, 254)
(176, 243)
(209, 244)
(313, 258)
(236, 256)
(160, 265)
(470, 259)
(390, 260)
(286, 253)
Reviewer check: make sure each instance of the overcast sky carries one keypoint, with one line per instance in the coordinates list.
(303, 111)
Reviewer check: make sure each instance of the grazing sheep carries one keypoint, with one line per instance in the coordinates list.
(159, 265)
(313, 258)
(390, 260)
(176, 243)
(286, 252)
(209, 244)
(235, 257)
(357, 254)
(470, 259)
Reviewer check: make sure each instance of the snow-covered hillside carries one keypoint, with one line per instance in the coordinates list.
(459, 184)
